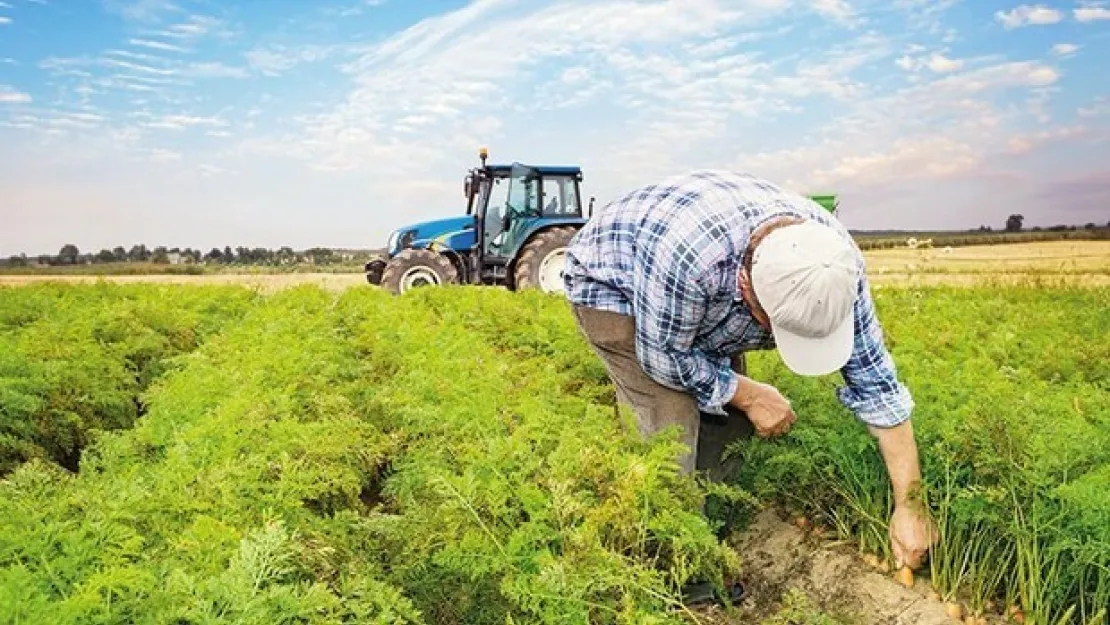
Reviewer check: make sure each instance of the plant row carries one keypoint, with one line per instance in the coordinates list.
(74, 359)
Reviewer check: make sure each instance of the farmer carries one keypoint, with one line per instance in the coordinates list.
(672, 282)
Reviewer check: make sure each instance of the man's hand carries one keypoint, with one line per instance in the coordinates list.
(912, 534)
(765, 406)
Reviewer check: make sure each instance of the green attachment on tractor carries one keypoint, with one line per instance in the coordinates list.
(828, 202)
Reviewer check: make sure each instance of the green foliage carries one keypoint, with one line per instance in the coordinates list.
(361, 459)
(73, 360)
(455, 456)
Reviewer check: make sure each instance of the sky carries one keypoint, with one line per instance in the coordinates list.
(201, 123)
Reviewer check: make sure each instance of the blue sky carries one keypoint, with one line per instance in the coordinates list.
(271, 122)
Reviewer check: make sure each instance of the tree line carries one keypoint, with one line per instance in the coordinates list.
(69, 254)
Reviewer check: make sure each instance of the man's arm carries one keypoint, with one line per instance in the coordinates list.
(881, 401)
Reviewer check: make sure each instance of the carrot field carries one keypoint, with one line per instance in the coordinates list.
(196, 454)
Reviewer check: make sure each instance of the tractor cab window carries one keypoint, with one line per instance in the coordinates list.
(560, 197)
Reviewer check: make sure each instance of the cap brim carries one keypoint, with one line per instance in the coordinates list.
(816, 356)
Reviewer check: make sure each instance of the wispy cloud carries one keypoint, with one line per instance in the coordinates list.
(9, 95)
(1091, 13)
(839, 10)
(196, 26)
(1065, 49)
(213, 69)
(157, 45)
(276, 60)
(141, 10)
(1029, 15)
(5, 20)
(181, 122)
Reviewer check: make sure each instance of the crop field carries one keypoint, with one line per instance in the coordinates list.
(215, 453)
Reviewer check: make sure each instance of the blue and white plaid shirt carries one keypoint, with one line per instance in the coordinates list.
(669, 255)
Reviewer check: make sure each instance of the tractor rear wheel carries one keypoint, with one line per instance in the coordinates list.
(541, 263)
(416, 268)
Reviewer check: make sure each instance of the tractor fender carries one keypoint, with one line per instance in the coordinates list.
(533, 233)
(547, 224)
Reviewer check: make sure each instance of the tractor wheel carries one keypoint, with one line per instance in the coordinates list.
(541, 263)
(374, 270)
(416, 268)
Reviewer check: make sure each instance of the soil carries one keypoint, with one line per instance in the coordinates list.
(778, 557)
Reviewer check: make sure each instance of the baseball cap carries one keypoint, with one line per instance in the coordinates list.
(805, 277)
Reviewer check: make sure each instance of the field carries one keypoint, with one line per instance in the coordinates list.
(1073, 262)
(203, 453)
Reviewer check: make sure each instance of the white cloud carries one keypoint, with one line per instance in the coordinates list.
(937, 62)
(839, 10)
(141, 10)
(1065, 49)
(9, 95)
(213, 70)
(1029, 15)
(5, 20)
(1091, 13)
(181, 122)
(276, 60)
(940, 64)
(156, 45)
(5, 5)
(1024, 144)
(1100, 106)
(197, 26)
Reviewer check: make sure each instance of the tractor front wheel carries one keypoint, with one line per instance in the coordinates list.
(416, 268)
(374, 270)
(542, 261)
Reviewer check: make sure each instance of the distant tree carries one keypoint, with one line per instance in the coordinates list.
(105, 256)
(1013, 223)
(160, 256)
(1090, 226)
(18, 261)
(119, 254)
(45, 259)
(229, 256)
(138, 254)
(215, 255)
(68, 254)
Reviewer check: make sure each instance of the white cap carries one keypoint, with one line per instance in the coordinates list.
(805, 277)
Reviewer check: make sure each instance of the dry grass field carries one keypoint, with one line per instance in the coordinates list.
(1071, 262)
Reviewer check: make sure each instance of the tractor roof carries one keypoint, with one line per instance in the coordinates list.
(554, 170)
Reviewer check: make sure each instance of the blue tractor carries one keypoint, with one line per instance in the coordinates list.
(519, 220)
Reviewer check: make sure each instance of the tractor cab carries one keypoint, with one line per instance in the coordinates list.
(519, 220)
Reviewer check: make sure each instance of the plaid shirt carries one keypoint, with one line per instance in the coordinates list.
(669, 254)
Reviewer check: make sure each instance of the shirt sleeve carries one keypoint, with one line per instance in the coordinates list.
(670, 302)
(873, 391)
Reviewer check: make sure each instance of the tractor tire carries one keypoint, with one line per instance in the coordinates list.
(417, 268)
(541, 263)
(374, 270)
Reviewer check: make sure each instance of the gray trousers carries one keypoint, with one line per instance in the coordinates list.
(612, 337)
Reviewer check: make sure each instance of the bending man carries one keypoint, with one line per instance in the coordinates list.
(672, 282)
